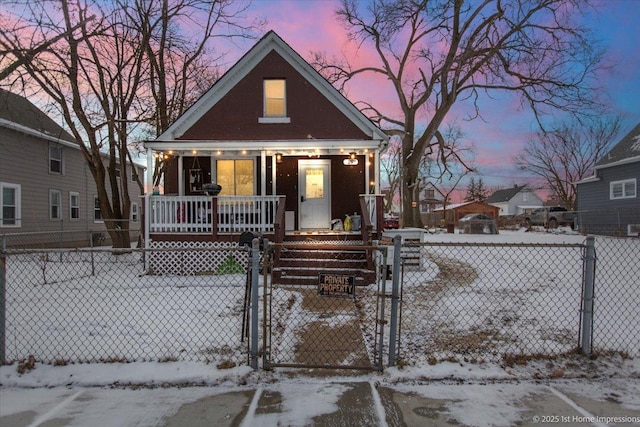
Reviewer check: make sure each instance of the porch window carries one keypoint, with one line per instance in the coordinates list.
(236, 177)
(623, 189)
(10, 200)
(275, 102)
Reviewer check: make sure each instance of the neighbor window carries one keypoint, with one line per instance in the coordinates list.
(623, 189)
(55, 204)
(275, 102)
(55, 159)
(74, 205)
(236, 177)
(134, 212)
(10, 200)
(97, 215)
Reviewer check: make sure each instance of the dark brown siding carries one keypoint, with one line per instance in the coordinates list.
(347, 183)
(235, 117)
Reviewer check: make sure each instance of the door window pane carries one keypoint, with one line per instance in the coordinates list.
(314, 184)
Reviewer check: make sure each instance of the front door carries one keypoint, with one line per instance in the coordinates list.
(314, 202)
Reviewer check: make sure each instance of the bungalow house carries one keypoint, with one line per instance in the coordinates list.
(291, 154)
(514, 201)
(47, 193)
(608, 201)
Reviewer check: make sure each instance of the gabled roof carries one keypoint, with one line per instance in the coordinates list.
(19, 113)
(270, 42)
(505, 195)
(627, 150)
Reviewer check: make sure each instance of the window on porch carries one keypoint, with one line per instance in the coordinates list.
(236, 176)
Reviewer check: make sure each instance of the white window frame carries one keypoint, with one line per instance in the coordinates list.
(17, 207)
(632, 183)
(96, 209)
(271, 118)
(73, 205)
(134, 212)
(52, 194)
(59, 149)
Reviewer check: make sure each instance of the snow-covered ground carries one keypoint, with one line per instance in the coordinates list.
(513, 300)
(473, 392)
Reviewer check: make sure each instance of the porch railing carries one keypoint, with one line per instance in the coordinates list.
(210, 215)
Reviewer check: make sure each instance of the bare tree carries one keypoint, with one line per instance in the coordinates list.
(98, 72)
(567, 152)
(391, 170)
(438, 53)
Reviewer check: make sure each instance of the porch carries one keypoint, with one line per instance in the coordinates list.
(224, 218)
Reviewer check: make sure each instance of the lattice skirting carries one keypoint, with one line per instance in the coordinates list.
(205, 258)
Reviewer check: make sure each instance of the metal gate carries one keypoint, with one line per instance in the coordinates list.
(323, 314)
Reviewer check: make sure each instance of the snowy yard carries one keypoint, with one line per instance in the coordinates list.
(475, 302)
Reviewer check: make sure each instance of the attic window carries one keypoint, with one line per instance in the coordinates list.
(275, 102)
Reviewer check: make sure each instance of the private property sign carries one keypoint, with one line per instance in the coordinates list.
(336, 285)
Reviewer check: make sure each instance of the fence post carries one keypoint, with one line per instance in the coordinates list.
(255, 260)
(395, 299)
(587, 296)
(3, 307)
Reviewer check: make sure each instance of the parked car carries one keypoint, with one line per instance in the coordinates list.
(391, 222)
(477, 224)
(551, 217)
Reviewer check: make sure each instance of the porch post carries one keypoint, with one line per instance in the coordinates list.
(148, 188)
(263, 173)
(273, 175)
(367, 178)
(180, 176)
(376, 165)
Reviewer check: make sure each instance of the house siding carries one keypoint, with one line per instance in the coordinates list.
(24, 160)
(597, 213)
(519, 200)
(235, 116)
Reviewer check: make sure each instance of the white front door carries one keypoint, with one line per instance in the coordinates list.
(314, 195)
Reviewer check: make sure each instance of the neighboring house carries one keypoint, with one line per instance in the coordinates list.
(47, 193)
(271, 131)
(431, 199)
(514, 201)
(608, 202)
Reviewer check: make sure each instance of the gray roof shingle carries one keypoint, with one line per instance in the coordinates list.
(17, 109)
(628, 147)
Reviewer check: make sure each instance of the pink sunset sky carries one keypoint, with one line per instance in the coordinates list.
(311, 25)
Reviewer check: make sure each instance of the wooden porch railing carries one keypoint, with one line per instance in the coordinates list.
(211, 215)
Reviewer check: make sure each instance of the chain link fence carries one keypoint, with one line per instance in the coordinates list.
(64, 234)
(66, 306)
(475, 301)
(503, 302)
(616, 324)
(320, 306)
